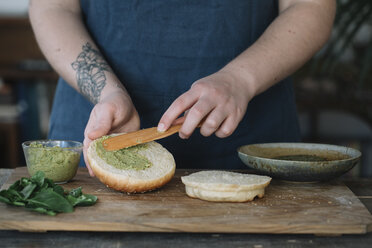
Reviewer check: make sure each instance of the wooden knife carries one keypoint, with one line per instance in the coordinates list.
(138, 137)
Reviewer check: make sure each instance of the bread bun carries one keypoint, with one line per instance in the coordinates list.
(132, 180)
(225, 186)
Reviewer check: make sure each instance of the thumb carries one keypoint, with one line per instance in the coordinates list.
(85, 149)
(102, 126)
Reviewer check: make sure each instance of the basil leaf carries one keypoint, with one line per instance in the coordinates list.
(83, 200)
(13, 195)
(4, 199)
(27, 191)
(6, 195)
(24, 182)
(58, 189)
(44, 211)
(38, 178)
(16, 185)
(86, 200)
(42, 195)
(19, 204)
(73, 201)
(49, 182)
(75, 192)
(44, 186)
(52, 200)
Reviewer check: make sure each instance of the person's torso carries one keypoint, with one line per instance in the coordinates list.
(159, 48)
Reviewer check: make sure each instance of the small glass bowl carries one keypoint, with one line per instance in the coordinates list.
(58, 159)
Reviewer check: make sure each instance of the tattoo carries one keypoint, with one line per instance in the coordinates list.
(90, 67)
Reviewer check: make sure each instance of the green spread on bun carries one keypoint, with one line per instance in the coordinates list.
(125, 159)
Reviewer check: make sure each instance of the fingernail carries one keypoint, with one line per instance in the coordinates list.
(161, 127)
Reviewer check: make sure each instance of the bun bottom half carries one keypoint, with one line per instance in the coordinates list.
(131, 180)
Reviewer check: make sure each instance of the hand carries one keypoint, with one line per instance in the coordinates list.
(220, 99)
(114, 113)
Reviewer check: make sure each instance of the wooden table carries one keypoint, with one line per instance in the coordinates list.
(362, 188)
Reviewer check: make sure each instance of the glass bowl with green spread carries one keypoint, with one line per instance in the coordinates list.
(58, 159)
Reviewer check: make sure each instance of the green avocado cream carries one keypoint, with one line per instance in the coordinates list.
(57, 163)
(126, 159)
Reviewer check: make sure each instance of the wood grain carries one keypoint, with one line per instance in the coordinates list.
(317, 208)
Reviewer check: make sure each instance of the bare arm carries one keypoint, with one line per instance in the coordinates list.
(65, 42)
(68, 47)
(301, 29)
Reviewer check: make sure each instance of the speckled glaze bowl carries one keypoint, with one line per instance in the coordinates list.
(301, 162)
(58, 159)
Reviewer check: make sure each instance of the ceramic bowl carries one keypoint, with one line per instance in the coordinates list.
(303, 162)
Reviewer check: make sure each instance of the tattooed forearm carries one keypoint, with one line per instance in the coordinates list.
(90, 69)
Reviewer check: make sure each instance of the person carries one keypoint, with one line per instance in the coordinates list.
(126, 65)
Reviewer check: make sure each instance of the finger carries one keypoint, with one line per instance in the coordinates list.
(179, 120)
(227, 127)
(126, 129)
(179, 106)
(213, 122)
(101, 124)
(87, 141)
(196, 114)
(85, 150)
(90, 125)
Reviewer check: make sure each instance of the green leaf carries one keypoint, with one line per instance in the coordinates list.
(19, 204)
(4, 199)
(86, 200)
(41, 195)
(27, 191)
(49, 182)
(52, 200)
(16, 185)
(75, 192)
(6, 195)
(44, 211)
(38, 178)
(77, 198)
(58, 189)
(24, 182)
(51, 213)
(13, 195)
(72, 200)
(44, 186)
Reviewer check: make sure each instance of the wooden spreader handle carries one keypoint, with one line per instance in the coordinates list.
(138, 137)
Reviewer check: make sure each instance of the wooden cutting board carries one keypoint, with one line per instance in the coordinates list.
(316, 208)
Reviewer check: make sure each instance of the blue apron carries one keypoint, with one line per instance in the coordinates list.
(158, 48)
